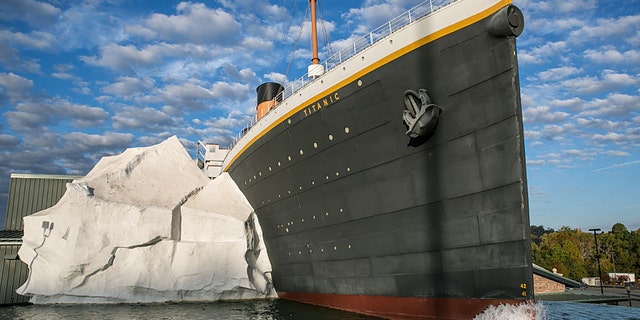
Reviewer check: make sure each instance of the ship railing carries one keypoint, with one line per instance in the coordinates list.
(418, 12)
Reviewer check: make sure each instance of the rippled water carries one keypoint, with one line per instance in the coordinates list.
(587, 311)
(272, 310)
(249, 309)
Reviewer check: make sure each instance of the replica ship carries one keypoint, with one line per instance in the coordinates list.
(392, 182)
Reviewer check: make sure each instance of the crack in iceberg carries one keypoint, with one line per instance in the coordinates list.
(109, 263)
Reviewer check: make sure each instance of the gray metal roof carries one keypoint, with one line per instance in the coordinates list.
(30, 193)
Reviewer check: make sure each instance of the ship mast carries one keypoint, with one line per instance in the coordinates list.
(314, 33)
(315, 69)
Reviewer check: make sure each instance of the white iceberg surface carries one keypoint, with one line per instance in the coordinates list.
(146, 226)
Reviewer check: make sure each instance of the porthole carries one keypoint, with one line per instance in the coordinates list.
(359, 83)
(330, 137)
(315, 145)
(289, 157)
(346, 129)
(289, 121)
(301, 152)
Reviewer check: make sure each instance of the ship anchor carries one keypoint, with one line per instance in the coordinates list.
(420, 115)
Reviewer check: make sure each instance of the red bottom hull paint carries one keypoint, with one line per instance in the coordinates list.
(400, 307)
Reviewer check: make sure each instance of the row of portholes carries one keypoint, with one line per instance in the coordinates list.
(314, 217)
(313, 183)
(322, 249)
(289, 158)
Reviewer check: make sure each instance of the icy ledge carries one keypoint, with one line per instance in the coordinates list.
(146, 226)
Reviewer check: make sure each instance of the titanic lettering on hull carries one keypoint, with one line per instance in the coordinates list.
(322, 103)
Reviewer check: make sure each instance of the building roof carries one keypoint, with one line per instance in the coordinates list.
(11, 236)
(555, 277)
(30, 193)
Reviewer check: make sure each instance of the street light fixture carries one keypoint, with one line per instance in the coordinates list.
(595, 236)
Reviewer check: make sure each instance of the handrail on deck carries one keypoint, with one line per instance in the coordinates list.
(419, 11)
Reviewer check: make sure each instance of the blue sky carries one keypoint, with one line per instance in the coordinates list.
(84, 79)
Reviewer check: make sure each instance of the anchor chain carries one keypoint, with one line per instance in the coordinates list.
(420, 115)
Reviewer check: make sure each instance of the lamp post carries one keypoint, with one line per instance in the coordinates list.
(595, 236)
(628, 288)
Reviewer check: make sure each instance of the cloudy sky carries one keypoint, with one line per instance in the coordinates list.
(84, 79)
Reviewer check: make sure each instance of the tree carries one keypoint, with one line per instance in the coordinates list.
(573, 252)
(539, 231)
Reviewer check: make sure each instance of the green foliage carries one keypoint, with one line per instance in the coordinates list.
(573, 253)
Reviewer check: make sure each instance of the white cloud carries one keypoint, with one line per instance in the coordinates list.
(611, 56)
(609, 81)
(532, 134)
(578, 153)
(13, 62)
(372, 15)
(195, 23)
(616, 104)
(605, 28)
(147, 119)
(610, 137)
(16, 85)
(543, 114)
(559, 73)
(540, 54)
(235, 91)
(276, 77)
(8, 141)
(33, 12)
(34, 115)
(84, 142)
(33, 40)
(567, 6)
(617, 153)
(602, 124)
(126, 87)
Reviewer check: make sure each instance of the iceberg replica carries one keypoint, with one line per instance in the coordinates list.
(146, 226)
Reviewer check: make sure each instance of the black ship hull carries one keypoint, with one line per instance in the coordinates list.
(359, 216)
